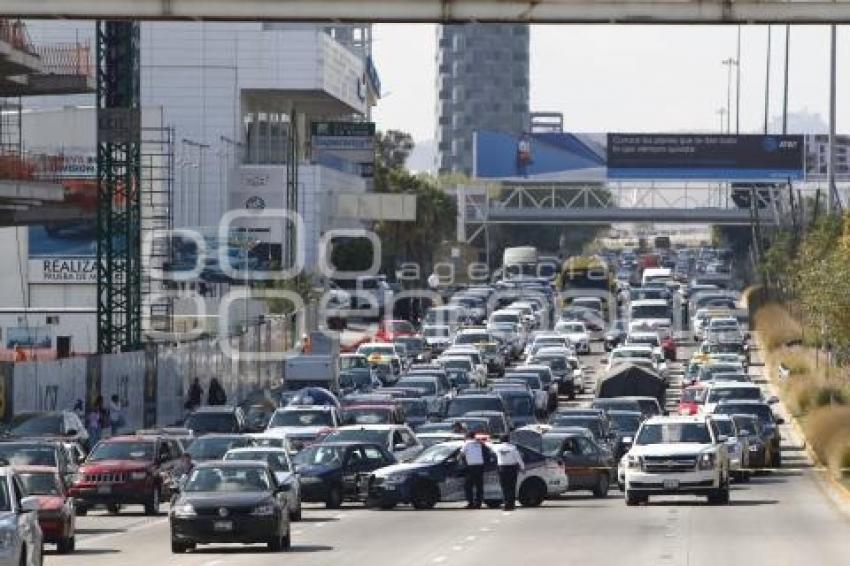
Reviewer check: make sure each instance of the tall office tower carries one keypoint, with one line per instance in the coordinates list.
(482, 83)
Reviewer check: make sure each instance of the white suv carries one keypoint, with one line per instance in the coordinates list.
(677, 456)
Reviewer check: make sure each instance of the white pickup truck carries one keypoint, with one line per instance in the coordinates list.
(677, 456)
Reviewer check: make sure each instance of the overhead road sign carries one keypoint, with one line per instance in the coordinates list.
(636, 156)
(446, 11)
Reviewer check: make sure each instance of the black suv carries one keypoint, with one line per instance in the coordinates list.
(223, 419)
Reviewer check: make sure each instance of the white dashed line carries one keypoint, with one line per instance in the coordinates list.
(439, 559)
(457, 548)
(471, 538)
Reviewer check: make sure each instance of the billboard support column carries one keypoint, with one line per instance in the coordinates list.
(830, 182)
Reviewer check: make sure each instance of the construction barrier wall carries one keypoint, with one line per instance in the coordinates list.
(152, 384)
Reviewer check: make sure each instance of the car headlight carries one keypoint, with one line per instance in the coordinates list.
(634, 462)
(706, 461)
(184, 510)
(263, 510)
(76, 478)
(627, 440)
(138, 476)
(395, 479)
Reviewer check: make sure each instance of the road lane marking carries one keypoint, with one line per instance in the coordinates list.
(471, 538)
(439, 559)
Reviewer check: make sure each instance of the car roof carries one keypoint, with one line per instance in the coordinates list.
(28, 469)
(132, 438)
(230, 464)
(376, 427)
(649, 303)
(250, 449)
(215, 409)
(676, 419)
(294, 408)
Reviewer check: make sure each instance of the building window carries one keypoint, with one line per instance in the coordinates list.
(52, 319)
(265, 135)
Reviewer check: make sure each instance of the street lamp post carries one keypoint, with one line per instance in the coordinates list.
(201, 147)
(729, 62)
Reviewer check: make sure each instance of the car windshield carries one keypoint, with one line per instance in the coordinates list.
(364, 415)
(459, 406)
(632, 353)
(212, 422)
(436, 454)
(693, 395)
(514, 318)
(382, 350)
(763, 412)
(571, 328)
(5, 501)
(19, 455)
(520, 405)
(320, 455)
(36, 425)
(590, 423)
(725, 427)
(551, 445)
(276, 460)
(300, 418)
(651, 311)
(353, 362)
(427, 386)
(139, 451)
(457, 364)
(359, 435)
(718, 394)
(212, 448)
(472, 338)
(436, 332)
(670, 433)
(413, 345)
(40, 483)
(625, 423)
(555, 363)
(414, 407)
(228, 479)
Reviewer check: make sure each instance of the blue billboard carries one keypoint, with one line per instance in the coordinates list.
(635, 156)
(538, 157)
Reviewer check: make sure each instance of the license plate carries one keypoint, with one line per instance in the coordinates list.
(671, 484)
(223, 526)
(104, 489)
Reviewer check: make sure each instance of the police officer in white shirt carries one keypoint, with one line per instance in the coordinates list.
(510, 463)
(473, 455)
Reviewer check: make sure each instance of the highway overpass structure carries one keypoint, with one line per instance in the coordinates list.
(446, 11)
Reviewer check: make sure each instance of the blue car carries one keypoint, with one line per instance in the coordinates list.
(437, 475)
(330, 472)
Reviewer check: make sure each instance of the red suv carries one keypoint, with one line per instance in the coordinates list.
(126, 470)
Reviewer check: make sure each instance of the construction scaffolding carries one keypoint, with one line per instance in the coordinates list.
(157, 221)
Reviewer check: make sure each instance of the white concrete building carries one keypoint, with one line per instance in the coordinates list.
(228, 90)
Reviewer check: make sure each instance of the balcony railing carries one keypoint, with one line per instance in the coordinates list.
(14, 32)
(66, 59)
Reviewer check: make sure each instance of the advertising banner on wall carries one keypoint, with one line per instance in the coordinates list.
(69, 245)
(353, 142)
(635, 156)
(552, 157)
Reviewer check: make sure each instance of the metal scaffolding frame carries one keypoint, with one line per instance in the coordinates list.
(157, 221)
(119, 320)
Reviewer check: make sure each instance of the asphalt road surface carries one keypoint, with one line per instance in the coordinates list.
(784, 518)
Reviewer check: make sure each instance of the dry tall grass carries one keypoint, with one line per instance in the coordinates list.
(828, 431)
(776, 326)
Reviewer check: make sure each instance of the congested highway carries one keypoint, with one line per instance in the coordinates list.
(773, 519)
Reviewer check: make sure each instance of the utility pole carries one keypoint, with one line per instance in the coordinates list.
(767, 82)
(787, 64)
(738, 86)
(830, 176)
(721, 112)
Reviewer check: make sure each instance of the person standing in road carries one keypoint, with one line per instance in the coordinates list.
(196, 393)
(116, 415)
(510, 464)
(472, 453)
(216, 394)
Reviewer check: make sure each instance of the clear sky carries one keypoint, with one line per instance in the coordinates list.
(630, 78)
